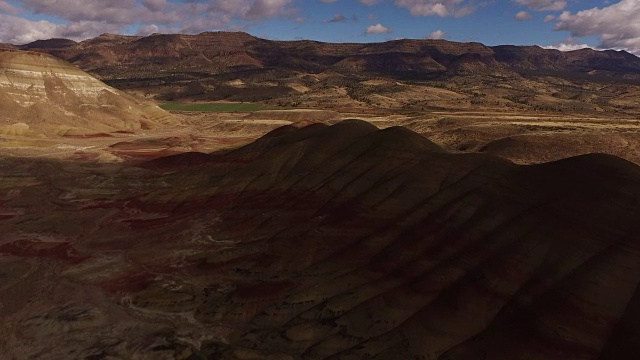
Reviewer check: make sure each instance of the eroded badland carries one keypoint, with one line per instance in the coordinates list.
(409, 199)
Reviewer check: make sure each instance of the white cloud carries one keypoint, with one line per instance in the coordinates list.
(570, 44)
(154, 5)
(567, 47)
(76, 17)
(112, 11)
(617, 25)
(549, 18)
(436, 35)
(17, 30)
(148, 30)
(522, 16)
(369, 2)
(544, 5)
(6, 8)
(377, 29)
(442, 8)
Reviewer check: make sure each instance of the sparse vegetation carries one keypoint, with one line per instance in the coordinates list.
(215, 107)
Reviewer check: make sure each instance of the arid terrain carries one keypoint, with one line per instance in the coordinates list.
(407, 75)
(412, 199)
(527, 104)
(321, 242)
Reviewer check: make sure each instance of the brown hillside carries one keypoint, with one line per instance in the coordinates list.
(228, 51)
(236, 66)
(325, 242)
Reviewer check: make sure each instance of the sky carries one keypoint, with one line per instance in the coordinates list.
(561, 24)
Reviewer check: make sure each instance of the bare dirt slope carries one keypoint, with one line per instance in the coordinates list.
(326, 242)
(43, 96)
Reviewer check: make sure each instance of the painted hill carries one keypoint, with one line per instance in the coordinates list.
(42, 94)
(326, 242)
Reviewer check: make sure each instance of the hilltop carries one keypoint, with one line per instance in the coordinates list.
(41, 95)
(325, 242)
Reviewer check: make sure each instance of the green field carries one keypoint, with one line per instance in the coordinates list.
(215, 107)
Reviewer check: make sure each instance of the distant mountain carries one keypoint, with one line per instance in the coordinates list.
(533, 58)
(49, 44)
(236, 66)
(113, 56)
(42, 94)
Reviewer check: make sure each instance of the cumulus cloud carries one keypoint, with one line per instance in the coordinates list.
(259, 9)
(154, 5)
(442, 8)
(338, 18)
(436, 35)
(544, 5)
(75, 17)
(17, 30)
(148, 30)
(6, 8)
(112, 11)
(617, 25)
(549, 18)
(377, 29)
(369, 2)
(567, 47)
(570, 44)
(522, 16)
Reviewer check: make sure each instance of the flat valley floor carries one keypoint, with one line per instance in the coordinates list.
(522, 137)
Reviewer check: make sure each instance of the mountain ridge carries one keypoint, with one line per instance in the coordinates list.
(407, 75)
(442, 51)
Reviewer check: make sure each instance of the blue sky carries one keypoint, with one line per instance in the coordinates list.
(491, 24)
(564, 24)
